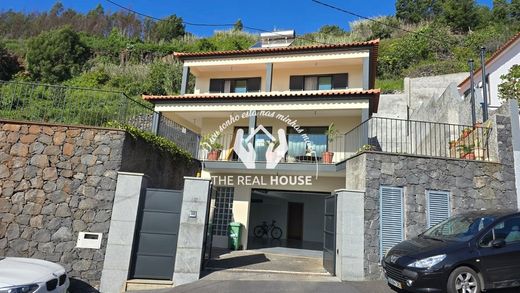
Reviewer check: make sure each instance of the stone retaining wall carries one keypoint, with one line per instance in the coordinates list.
(56, 181)
(473, 185)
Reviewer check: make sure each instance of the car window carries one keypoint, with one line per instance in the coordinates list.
(507, 230)
(459, 228)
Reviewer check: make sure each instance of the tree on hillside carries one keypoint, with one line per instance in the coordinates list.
(461, 15)
(8, 64)
(167, 29)
(332, 30)
(238, 26)
(414, 11)
(510, 87)
(500, 10)
(56, 55)
(515, 10)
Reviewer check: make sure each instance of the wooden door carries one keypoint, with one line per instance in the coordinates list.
(295, 221)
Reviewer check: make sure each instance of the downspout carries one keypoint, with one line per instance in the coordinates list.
(484, 84)
(472, 90)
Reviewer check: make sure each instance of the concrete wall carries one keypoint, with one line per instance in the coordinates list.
(272, 208)
(472, 185)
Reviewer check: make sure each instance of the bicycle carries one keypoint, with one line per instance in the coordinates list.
(264, 229)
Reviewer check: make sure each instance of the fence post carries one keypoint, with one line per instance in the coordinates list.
(156, 122)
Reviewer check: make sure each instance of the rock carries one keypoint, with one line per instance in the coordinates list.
(17, 174)
(93, 180)
(97, 170)
(49, 186)
(50, 173)
(35, 195)
(68, 149)
(53, 224)
(12, 232)
(59, 138)
(42, 236)
(105, 195)
(65, 246)
(63, 234)
(4, 171)
(63, 211)
(36, 182)
(64, 185)
(31, 172)
(45, 139)
(48, 209)
(36, 222)
(81, 265)
(52, 150)
(27, 233)
(102, 150)
(78, 226)
(73, 132)
(18, 198)
(32, 209)
(48, 130)
(13, 137)
(102, 216)
(41, 161)
(23, 219)
(11, 127)
(27, 139)
(108, 184)
(66, 173)
(35, 129)
(46, 247)
(20, 245)
(36, 148)
(58, 196)
(88, 160)
(19, 149)
(87, 203)
(64, 165)
(89, 216)
(5, 205)
(18, 162)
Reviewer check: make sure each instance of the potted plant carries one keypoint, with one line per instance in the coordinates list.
(212, 146)
(467, 152)
(331, 135)
(466, 132)
(479, 151)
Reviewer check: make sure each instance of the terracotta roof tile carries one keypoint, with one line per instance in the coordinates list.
(374, 93)
(253, 51)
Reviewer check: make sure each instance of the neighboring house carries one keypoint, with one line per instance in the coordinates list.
(498, 65)
(389, 179)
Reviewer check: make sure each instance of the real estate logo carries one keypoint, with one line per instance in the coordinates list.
(275, 151)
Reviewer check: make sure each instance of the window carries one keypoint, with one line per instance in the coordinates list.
(299, 151)
(508, 230)
(318, 82)
(235, 85)
(391, 211)
(438, 203)
(223, 210)
(459, 228)
(261, 143)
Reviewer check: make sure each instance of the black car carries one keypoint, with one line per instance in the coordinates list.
(467, 253)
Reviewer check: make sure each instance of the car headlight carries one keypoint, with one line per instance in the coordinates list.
(20, 289)
(427, 263)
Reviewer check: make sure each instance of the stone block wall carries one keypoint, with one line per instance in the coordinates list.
(472, 185)
(56, 181)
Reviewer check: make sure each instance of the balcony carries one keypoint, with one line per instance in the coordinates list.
(376, 134)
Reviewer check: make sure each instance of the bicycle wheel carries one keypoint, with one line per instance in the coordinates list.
(276, 233)
(259, 231)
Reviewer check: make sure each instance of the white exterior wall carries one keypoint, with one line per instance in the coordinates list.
(499, 68)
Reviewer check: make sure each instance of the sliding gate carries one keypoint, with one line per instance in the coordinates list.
(329, 235)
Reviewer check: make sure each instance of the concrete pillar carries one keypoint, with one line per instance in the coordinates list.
(185, 79)
(366, 73)
(118, 255)
(156, 122)
(364, 117)
(189, 256)
(268, 77)
(350, 235)
(515, 130)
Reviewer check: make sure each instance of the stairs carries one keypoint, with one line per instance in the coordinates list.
(144, 284)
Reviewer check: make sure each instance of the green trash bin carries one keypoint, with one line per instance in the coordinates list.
(234, 234)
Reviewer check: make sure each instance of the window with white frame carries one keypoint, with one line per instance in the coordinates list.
(223, 210)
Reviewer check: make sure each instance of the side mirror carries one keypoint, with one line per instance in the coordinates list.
(498, 243)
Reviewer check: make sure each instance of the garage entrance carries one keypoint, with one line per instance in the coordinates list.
(298, 214)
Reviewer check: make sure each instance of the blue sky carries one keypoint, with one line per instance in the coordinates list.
(302, 15)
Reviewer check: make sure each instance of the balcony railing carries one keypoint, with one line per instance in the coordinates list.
(376, 134)
(420, 138)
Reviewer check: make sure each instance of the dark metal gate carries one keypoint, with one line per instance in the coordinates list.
(156, 236)
(208, 228)
(329, 235)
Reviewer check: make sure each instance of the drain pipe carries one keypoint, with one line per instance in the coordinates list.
(484, 84)
(472, 90)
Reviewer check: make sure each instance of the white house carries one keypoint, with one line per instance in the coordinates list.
(498, 65)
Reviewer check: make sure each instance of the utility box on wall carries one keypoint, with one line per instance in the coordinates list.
(89, 240)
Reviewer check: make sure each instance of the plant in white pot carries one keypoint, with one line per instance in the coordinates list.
(331, 133)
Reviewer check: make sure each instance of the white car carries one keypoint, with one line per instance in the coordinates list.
(26, 275)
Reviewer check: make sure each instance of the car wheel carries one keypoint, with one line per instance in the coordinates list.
(464, 280)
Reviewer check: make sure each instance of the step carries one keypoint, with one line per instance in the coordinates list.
(145, 284)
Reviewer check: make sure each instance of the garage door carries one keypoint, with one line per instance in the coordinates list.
(156, 235)
(329, 235)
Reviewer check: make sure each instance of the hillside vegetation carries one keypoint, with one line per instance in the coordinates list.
(125, 52)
